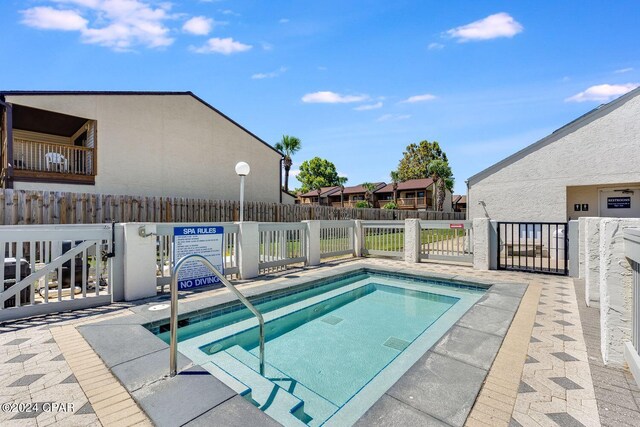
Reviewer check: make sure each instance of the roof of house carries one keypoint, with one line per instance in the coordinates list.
(360, 189)
(324, 191)
(565, 130)
(4, 93)
(411, 184)
(457, 198)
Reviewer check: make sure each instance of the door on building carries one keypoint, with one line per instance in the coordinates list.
(620, 203)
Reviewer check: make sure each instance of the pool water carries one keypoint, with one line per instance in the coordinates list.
(330, 351)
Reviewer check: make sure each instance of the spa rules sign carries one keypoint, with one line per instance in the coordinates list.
(199, 240)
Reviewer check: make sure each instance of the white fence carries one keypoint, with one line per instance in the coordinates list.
(164, 255)
(446, 240)
(383, 238)
(336, 238)
(49, 268)
(54, 268)
(632, 349)
(281, 244)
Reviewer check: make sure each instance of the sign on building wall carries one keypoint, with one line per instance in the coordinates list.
(200, 240)
(618, 202)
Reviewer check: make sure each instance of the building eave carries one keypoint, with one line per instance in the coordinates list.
(560, 133)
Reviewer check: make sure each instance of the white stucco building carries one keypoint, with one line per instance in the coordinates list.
(590, 167)
(131, 143)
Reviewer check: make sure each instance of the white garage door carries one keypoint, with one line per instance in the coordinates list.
(624, 203)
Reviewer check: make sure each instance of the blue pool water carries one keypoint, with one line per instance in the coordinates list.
(331, 350)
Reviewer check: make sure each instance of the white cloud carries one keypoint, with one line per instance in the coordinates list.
(623, 70)
(419, 98)
(259, 76)
(604, 92)
(224, 46)
(393, 117)
(198, 25)
(117, 24)
(327, 97)
(491, 27)
(283, 21)
(435, 46)
(266, 46)
(47, 18)
(229, 12)
(368, 107)
(322, 68)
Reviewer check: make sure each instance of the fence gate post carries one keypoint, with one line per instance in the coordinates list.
(358, 238)
(117, 264)
(412, 240)
(139, 262)
(248, 249)
(481, 244)
(313, 242)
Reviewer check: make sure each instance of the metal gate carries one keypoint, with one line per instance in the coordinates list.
(535, 247)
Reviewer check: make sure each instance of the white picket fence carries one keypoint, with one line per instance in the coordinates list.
(50, 268)
(446, 241)
(281, 244)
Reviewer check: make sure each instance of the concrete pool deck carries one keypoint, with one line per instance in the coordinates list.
(538, 353)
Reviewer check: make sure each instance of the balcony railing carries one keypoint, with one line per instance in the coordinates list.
(414, 203)
(52, 158)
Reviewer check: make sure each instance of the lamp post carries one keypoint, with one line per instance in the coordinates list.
(242, 169)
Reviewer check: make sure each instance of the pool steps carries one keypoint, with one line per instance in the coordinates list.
(271, 398)
(316, 406)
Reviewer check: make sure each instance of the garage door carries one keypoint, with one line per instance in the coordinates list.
(624, 203)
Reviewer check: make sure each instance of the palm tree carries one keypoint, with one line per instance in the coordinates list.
(368, 192)
(289, 145)
(440, 172)
(395, 179)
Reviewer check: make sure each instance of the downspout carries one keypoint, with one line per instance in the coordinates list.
(280, 183)
(466, 214)
(8, 178)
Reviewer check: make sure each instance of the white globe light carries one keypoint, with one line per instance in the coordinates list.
(243, 169)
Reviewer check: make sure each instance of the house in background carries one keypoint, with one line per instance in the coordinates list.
(350, 196)
(313, 198)
(459, 203)
(588, 167)
(413, 194)
(131, 143)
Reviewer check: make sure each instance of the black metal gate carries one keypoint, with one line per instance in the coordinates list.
(535, 247)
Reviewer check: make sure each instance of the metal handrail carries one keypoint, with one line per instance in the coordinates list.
(173, 349)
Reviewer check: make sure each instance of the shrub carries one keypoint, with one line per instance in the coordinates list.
(390, 205)
(362, 204)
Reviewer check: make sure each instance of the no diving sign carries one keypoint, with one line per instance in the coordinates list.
(206, 241)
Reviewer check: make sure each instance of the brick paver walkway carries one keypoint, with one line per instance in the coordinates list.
(545, 375)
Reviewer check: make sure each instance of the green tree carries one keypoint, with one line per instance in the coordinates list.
(288, 145)
(317, 173)
(440, 171)
(395, 180)
(369, 188)
(417, 157)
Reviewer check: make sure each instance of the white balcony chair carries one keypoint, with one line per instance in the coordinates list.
(57, 159)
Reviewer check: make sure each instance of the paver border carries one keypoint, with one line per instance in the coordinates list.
(101, 337)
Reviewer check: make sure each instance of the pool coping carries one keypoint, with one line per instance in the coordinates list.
(139, 359)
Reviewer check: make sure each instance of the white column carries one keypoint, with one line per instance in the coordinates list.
(248, 249)
(412, 240)
(139, 262)
(592, 262)
(313, 242)
(574, 249)
(358, 237)
(481, 244)
(117, 265)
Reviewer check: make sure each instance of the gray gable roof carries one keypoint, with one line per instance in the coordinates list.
(565, 130)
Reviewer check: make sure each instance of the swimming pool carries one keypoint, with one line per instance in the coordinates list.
(332, 347)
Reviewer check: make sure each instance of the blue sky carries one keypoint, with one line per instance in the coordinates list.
(357, 81)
